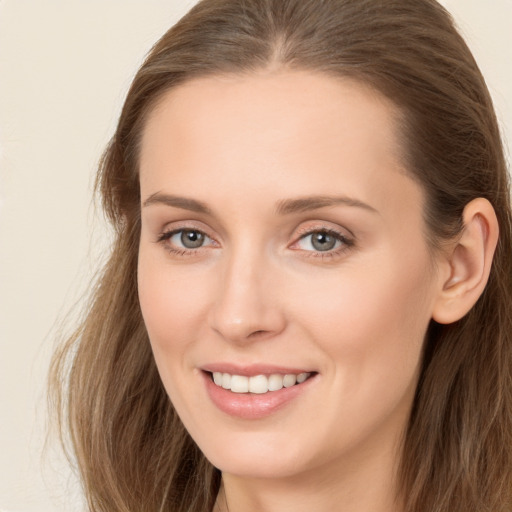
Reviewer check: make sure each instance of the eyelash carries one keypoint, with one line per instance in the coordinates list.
(346, 242)
(164, 238)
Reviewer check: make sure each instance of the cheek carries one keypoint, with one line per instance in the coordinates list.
(173, 304)
(373, 320)
(371, 325)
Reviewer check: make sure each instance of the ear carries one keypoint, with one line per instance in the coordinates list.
(469, 263)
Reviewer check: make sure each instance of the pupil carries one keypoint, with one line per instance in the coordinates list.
(323, 241)
(192, 239)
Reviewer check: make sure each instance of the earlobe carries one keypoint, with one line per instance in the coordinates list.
(469, 260)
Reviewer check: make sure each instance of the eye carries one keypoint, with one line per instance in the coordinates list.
(319, 241)
(187, 239)
(323, 240)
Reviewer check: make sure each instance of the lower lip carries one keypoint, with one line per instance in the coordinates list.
(252, 406)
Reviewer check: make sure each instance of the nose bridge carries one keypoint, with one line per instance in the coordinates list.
(245, 305)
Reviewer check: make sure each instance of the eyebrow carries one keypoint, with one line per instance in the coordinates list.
(184, 203)
(284, 207)
(304, 204)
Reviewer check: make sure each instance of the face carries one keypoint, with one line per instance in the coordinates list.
(284, 274)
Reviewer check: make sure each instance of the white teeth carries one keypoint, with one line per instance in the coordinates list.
(226, 381)
(302, 377)
(289, 380)
(239, 384)
(275, 382)
(258, 384)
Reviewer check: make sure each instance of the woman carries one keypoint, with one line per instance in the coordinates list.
(308, 301)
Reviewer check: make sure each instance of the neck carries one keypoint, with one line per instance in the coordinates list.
(363, 484)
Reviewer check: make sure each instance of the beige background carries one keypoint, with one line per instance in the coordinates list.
(65, 66)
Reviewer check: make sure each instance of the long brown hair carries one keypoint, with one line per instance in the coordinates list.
(133, 452)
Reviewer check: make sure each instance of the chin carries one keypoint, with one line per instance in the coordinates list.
(260, 468)
(256, 457)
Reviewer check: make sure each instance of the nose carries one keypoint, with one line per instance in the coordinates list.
(247, 306)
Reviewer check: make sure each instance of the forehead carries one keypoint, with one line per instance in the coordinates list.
(270, 131)
(280, 101)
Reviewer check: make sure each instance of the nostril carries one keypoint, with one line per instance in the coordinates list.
(257, 334)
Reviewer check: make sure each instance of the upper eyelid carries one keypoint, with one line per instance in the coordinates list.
(166, 234)
(299, 232)
(176, 226)
(346, 240)
(329, 227)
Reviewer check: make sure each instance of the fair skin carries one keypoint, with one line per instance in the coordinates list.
(238, 276)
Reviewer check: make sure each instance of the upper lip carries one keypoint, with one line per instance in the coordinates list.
(253, 369)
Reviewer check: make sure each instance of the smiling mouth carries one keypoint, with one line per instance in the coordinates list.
(258, 384)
